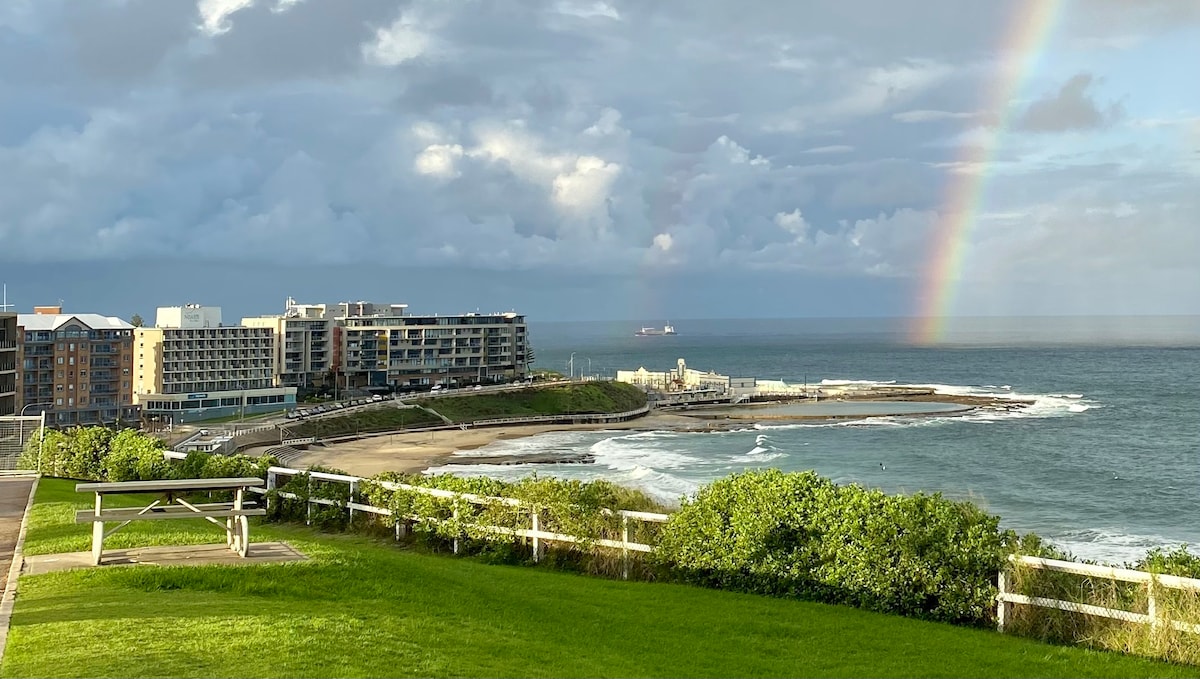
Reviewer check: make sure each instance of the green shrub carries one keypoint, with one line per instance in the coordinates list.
(800, 535)
(135, 457)
(563, 506)
(1178, 561)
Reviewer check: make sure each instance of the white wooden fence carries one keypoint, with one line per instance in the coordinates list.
(1005, 599)
(534, 533)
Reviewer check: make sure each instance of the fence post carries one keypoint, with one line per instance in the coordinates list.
(308, 501)
(456, 527)
(350, 501)
(1151, 605)
(624, 547)
(537, 543)
(1003, 608)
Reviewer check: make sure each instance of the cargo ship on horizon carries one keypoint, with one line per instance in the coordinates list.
(655, 332)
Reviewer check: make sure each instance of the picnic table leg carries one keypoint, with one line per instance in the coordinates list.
(97, 534)
(241, 524)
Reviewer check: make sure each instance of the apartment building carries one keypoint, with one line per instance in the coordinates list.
(191, 367)
(8, 363)
(304, 343)
(77, 367)
(382, 345)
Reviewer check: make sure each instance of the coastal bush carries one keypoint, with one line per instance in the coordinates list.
(800, 535)
(101, 454)
(570, 507)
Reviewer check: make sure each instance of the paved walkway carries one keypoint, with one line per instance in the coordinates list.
(14, 496)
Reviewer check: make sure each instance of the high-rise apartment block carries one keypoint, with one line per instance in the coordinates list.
(190, 366)
(304, 343)
(363, 344)
(382, 345)
(8, 363)
(76, 367)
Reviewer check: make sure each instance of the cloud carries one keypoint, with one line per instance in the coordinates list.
(568, 139)
(1071, 108)
(926, 116)
(393, 45)
(832, 148)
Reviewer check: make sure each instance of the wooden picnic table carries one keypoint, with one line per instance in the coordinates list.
(172, 505)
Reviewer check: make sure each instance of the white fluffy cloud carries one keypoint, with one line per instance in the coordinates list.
(577, 136)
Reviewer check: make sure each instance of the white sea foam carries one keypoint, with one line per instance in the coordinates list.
(1110, 546)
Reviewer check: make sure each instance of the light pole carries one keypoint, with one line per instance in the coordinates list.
(571, 363)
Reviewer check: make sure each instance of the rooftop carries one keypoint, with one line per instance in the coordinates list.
(56, 321)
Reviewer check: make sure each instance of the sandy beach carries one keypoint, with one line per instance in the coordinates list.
(417, 451)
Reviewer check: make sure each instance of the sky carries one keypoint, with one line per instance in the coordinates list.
(602, 159)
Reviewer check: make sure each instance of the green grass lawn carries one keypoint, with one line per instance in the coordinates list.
(362, 607)
(591, 397)
(382, 418)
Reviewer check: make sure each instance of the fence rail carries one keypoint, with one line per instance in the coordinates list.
(1005, 599)
(534, 532)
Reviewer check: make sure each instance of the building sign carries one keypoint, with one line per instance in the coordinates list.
(196, 396)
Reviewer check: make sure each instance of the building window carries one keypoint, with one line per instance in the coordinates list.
(71, 360)
(58, 387)
(58, 401)
(72, 345)
(59, 374)
(60, 361)
(70, 401)
(61, 346)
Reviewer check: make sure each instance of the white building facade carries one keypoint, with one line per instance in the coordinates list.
(191, 367)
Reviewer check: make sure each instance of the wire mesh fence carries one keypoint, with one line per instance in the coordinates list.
(15, 432)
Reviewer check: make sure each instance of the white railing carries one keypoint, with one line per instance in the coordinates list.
(534, 532)
(588, 417)
(252, 430)
(1005, 599)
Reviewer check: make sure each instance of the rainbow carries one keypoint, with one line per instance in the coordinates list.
(1024, 42)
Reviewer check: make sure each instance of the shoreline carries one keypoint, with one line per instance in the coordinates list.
(414, 452)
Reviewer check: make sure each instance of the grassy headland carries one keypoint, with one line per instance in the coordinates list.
(563, 399)
(362, 607)
(592, 397)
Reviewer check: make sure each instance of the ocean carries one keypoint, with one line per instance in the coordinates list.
(1105, 463)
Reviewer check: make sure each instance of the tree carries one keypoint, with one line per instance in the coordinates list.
(137, 321)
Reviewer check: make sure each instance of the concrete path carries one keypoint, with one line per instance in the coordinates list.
(14, 500)
(172, 555)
